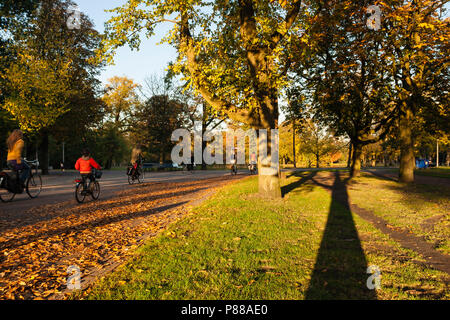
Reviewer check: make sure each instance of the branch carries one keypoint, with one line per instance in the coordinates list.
(288, 22)
(234, 113)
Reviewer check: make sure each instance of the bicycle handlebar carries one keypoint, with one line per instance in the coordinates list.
(34, 162)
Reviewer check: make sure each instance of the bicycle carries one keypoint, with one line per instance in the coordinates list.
(188, 167)
(252, 168)
(233, 167)
(136, 174)
(83, 189)
(10, 186)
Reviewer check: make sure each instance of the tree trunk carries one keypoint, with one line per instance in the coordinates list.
(317, 160)
(349, 161)
(355, 169)
(269, 185)
(108, 164)
(407, 162)
(44, 153)
(293, 141)
(203, 150)
(437, 153)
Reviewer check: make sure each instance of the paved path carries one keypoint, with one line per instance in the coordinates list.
(59, 187)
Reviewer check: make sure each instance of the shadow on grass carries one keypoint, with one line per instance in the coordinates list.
(288, 188)
(340, 268)
(414, 195)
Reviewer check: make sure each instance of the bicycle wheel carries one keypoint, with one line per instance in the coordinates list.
(95, 190)
(130, 179)
(34, 186)
(6, 195)
(80, 194)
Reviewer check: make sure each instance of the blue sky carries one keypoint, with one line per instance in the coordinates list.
(137, 65)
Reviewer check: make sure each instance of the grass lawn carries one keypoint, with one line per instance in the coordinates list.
(419, 208)
(237, 245)
(441, 172)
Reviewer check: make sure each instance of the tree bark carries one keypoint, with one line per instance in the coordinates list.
(44, 153)
(355, 169)
(269, 185)
(204, 144)
(349, 160)
(268, 177)
(407, 162)
(293, 142)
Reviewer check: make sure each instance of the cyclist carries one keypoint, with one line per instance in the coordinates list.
(136, 159)
(15, 145)
(85, 165)
(252, 162)
(233, 160)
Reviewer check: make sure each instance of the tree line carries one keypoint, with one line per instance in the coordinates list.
(49, 88)
(367, 85)
(242, 61)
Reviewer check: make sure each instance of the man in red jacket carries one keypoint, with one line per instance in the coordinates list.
(85, 165)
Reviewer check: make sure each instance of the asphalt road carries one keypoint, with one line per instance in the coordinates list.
(59, 187)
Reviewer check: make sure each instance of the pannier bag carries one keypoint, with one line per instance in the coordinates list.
(10, 183)
(3, 180)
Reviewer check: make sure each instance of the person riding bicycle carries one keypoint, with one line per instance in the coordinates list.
(136, 159)
(85, 164)
(15, 145)
(233, 160)
(252, 162)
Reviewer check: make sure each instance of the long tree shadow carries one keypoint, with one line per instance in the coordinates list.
(340, 268)
(288, 188)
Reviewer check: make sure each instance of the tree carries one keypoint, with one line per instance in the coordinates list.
(234, 53)
(317, 141)
(200, 111)
(344, 79)
(295, 111)
(121, 100)
(14, 15)
(53, 70)
(157, 118)
(416, 46)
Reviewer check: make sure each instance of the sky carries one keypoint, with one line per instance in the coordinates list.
(152, 58)
(137, 65)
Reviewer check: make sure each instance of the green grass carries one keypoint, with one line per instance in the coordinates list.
(441, 172)
(419, 208)
(237, 245)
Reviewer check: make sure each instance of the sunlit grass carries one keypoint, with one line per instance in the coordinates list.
(239, 246)
(422, 209)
